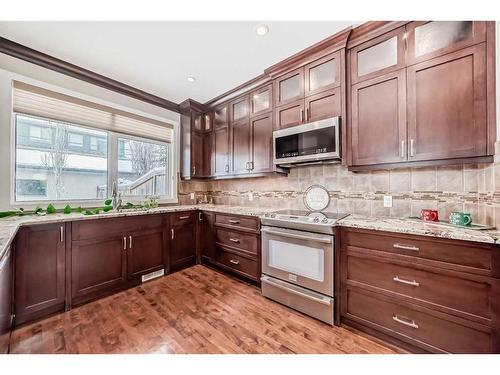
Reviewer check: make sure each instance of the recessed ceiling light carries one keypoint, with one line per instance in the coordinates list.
(261, 30)
(191, 79)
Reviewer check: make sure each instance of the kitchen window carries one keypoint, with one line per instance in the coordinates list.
(69, 150)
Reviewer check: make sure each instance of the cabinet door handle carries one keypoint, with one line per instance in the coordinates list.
(61, 234)
(404, 321)
(200, 217)
(130, 242)
(402, 151)
(412, 147)
(124, 243)
(172, 233)
(407, 282)
(234, 261)
(405, 247)
(301, 115)
(194, 170)
(307, 114)
(234, 221)
(235, 240)
(183, 217)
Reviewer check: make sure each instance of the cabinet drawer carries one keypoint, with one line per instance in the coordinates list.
(97, 228)
(181, 218)
(240, 264)
(470, 294)
(245, 242)
(238, 221)
(436, 332)
(477, 257)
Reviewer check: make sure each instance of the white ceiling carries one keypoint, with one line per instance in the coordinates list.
(158, 56)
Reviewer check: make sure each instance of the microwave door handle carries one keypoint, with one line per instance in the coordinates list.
(322, 239)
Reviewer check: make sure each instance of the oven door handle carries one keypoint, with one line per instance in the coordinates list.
(289, 234)
(324, 300)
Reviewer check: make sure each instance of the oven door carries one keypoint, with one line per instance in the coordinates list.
(298, 257)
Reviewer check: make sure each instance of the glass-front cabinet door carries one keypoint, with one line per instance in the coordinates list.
(261, 100)
(239, 109)
(427, 40)
(322, 74)
(289, 87)
(220, 117)
(379, 56)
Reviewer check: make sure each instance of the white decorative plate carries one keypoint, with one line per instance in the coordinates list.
(316, 198)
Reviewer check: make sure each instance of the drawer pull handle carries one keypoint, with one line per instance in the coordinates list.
(124, 243)
(405, 321)
(234, 221)
(405, 247)
(235, 240)
(234, 261)
(407, 282)
(183, 217)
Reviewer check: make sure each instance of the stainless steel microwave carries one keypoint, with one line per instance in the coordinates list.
(317, 141)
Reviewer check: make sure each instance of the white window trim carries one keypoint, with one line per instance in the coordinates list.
(174, 165)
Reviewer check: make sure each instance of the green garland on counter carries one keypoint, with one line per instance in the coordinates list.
(107, 207)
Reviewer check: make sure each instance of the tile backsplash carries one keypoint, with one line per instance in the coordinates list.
(471, 188)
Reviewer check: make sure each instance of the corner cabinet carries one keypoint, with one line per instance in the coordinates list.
(419, 95)
(40, 271)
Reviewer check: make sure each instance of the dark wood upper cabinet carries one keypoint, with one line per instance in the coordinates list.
(261, 100)
(241, 147)
(6, 298)
(197, 155)
(198, 122)
(208, 155)
(40, 271)
(290, 114)
(289, 87)
(323, 105)
(378, 120)
(261, 128)
(322, 74)
(427, 40)
(221, 151)
(220, 117)
(379, 56)
(447, 106)
(147, 252)
(207, 122)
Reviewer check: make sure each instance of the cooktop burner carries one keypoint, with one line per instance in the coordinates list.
(321, 222)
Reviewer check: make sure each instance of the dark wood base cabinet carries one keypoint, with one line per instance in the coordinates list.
(237, 245)
(182, 247)
(40, 269)
(6, 298)
(425, 294)
(111, 254)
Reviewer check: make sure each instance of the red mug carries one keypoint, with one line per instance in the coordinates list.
(429, 215)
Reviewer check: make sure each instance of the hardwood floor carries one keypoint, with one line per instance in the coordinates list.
(197, 310)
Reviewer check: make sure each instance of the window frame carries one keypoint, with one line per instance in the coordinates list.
(171, 169)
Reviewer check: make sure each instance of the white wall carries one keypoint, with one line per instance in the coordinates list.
(12, 68)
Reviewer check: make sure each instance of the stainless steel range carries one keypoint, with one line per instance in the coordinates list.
(298, 250)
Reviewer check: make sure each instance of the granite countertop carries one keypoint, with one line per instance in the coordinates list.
(10, 226)
(411, 226)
